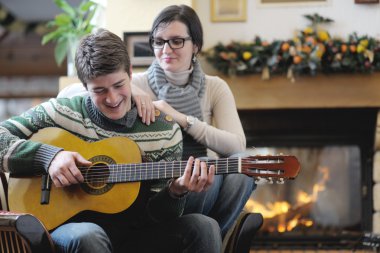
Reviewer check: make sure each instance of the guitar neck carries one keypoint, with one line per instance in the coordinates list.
(160, 170)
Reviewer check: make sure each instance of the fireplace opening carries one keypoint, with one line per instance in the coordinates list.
(329, 205)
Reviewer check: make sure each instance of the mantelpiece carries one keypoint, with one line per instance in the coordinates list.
(307, 92)
(321, 91)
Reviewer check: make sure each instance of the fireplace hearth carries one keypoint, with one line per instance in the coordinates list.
(329, 130)
(342, 240)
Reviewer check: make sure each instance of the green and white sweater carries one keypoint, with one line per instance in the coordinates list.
(162, 140)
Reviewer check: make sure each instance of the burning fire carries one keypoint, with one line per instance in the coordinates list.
(284, 216)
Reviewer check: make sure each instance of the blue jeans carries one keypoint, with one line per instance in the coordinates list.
(80, 238)
(193, 233)
(224, 200)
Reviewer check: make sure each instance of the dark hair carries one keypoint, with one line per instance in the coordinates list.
(100, 53)
(184, 14)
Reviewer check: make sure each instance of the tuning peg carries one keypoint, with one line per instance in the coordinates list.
(270, 180)
(280, 181)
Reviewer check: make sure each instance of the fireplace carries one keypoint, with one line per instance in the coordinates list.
(335, 115)
(335, 148)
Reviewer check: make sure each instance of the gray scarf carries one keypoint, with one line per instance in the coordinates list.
(185, 99)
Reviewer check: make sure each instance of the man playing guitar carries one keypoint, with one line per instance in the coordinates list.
(103, 66)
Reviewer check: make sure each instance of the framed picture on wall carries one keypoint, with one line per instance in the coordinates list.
(138, 48)
(291, 1)
(228, 11)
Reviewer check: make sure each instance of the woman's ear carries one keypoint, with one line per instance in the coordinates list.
(195, 49)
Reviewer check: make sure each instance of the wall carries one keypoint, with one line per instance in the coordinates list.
(134, 16)
(268, 21)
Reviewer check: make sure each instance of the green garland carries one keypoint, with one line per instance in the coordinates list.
(313, 50)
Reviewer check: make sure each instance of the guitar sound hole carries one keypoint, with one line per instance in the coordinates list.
(97, 175)
(96, 178)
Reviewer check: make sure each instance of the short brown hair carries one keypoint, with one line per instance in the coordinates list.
(101, 53)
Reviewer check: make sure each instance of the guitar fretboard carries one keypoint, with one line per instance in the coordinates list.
(160, 170)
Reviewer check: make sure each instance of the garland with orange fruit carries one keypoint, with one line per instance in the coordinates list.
(312, 51)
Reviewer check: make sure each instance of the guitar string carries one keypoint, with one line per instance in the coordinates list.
(135, 174)
(168, 165)
(179, 164)
(154, 167)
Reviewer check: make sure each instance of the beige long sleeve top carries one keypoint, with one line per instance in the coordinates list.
(221, 130)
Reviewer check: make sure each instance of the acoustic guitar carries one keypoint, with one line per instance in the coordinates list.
(112, 183)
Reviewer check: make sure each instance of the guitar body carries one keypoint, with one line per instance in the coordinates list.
(25, 193)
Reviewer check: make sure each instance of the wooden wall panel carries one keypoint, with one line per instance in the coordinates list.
(23, 55)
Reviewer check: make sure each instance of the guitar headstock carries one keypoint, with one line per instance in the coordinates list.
(271, 167)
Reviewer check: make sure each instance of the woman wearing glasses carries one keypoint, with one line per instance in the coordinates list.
(202, 105)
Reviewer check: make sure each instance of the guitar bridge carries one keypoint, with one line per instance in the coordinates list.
(45, 189)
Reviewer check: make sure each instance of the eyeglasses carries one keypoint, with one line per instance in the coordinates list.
(175, 43)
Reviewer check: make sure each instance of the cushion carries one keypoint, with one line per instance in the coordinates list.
(75, 89)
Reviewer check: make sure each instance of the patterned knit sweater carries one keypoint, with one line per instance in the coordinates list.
(161, 140)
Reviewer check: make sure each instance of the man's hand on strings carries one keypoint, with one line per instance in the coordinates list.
(64, 169)
(196, 178)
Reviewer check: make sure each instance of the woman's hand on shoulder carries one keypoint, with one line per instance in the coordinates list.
(144, 104)
(164, 107)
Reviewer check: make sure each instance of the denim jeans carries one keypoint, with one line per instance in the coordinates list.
(193, 233)
(80, 238)
(224, 200)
